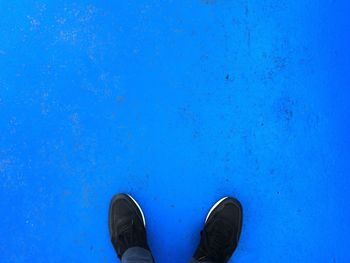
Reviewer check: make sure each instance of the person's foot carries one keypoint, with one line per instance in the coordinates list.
(127, 225)
(221, 232)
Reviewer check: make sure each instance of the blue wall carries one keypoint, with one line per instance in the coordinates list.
(177, 103)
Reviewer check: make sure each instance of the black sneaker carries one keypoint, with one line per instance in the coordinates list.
(221, 232)
(127, 225)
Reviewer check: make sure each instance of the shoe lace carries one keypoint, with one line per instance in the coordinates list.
(125, 237)
(126, 233)
(217, 241)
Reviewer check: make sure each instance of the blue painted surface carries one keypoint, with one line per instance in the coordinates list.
(178, 103)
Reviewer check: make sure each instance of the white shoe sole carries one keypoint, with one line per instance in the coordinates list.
(214, 206)
(139, 207)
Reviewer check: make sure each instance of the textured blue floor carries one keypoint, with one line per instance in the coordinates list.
(178, 103)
